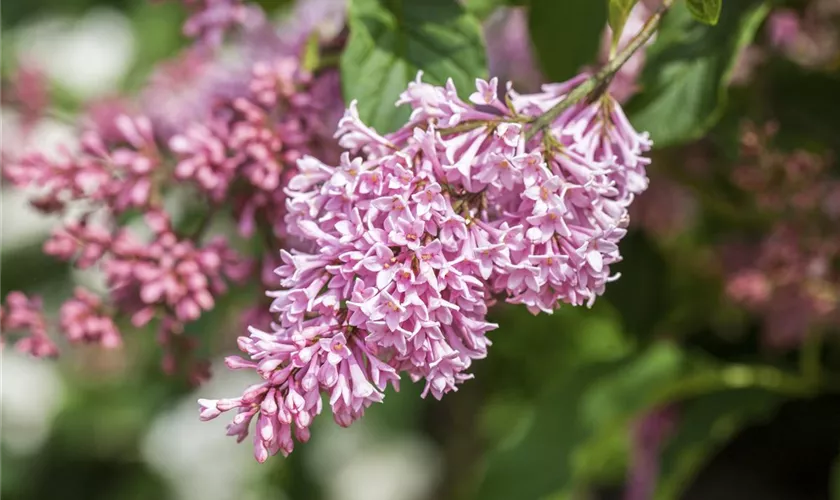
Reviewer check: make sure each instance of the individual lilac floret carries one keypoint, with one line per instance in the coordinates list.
(414, 234)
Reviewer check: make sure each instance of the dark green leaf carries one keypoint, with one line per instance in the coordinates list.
(688, 67)
(706, 424)
(566, 35)
(571, 412)
(390, 40)
(619, 10)
(705, 11)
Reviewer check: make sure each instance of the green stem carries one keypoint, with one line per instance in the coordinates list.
(603, 76)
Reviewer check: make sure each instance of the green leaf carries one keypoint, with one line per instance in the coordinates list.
(577, 407)
(619, 11)
(566, 34)
(687, 70)
(390, 40)
(705, 11)
(706, 424)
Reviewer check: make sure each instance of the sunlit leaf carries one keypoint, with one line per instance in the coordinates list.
(391, 40)
(705, 11)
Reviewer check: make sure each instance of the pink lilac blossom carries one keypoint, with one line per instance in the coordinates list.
(810, 38)
(188, 88)
(783, 26)
(101, 117)
(169, 275)
(415, 234)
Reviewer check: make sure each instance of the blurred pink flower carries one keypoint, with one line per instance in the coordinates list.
(784, 27)
(83, 319)
(24, 315)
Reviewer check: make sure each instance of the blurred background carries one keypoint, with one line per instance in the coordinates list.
(711, 369)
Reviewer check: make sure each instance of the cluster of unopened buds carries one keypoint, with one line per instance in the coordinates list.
(414, 234)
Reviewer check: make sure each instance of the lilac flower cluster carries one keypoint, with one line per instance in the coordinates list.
(788, 276)
(416, 232)
(234, 151)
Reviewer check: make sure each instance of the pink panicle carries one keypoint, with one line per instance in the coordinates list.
(414, 233)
